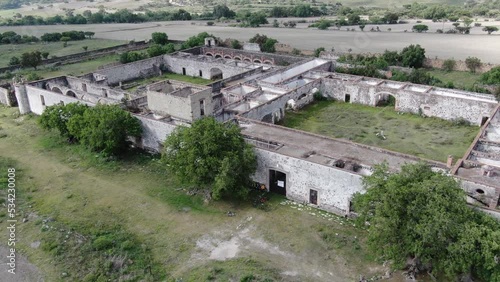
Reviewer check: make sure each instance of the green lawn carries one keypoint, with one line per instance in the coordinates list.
(460, 79)
(172, 76)
(91, 214)
(429, 138)
(8, 51)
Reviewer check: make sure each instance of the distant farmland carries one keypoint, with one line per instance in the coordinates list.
(455, 46)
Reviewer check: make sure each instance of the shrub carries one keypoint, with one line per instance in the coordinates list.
(449, 64)
(473, 63)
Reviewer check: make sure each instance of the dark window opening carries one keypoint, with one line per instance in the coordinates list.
(201, 74)
(480, 191)
(313, 196)
(339, 163)
(84, 87)
(356, 167)
(42, 99)
(347, 98)
(202, 107)
(484, 120)
(183, 71)
(277, 182)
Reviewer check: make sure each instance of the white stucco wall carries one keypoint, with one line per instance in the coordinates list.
(335, 186)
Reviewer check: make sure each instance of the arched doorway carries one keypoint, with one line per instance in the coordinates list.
(215, 74)
(71, 94)
(57, 90)
(218, 56)
(385, 99)
(257, 61)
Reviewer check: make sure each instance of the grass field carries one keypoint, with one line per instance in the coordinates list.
(429, 138)
(87, 216)
(173, 76)
(459, 78)
(70, 69)
(8, 51)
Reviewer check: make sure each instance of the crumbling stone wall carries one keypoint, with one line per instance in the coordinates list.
(154, 133)
(335, 186)
(140, 69)
(183, 103)
(443, 103)
(7, 96)
(192, 67)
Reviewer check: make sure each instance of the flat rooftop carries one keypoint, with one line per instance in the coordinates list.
(323, 150)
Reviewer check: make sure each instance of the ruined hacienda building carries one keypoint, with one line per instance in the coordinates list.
(254, 89)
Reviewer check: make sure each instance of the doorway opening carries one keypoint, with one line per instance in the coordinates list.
(277, 182)
(313, 196)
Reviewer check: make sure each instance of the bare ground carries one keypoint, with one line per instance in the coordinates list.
(455, 46)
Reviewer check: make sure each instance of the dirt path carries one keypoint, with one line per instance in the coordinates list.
(25, 271)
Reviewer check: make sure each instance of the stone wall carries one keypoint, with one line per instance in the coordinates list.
(443, 103)
(249, 56)
(7, 96)
(39, 99)
(140, 69)
(335, 186)
(185, 106)
(192, 67)
(154, 133)
(274, 110)
(459, 65)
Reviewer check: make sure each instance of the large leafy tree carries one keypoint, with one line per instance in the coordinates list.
(31, 59)
(105, 129)
(57, 117)
(413, 56)
(212, 155)
(421, 214)
(160, 38)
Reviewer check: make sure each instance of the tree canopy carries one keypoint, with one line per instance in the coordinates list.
(413, 56)
(211, 155)
(31, 59)
(160, 38)
(103, 128)
(421, 214)
(420, 28)
(491, 77)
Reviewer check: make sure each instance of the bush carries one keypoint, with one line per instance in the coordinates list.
(318, 51)
(449, 64)
(160, 38)
(131, 56)
(473, 63)
(413, 56)
(491, 77)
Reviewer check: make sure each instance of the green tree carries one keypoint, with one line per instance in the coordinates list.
(105, 129)
(211, 155)
(85, 48)
(160, 38)
(45, 55)
(14, 61)
(197, 40)
(413, 56)
(222, 11)
(491, 77)
(323, 24)
(490, 29)
(268, 46)
(318, 51)
(362, 27)
(473, 63)
(467, 21)
(422, 214)
(57, 117)
(449, 64)
(420, 28)
(31, 59)
(235, 44)
(155, 50)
